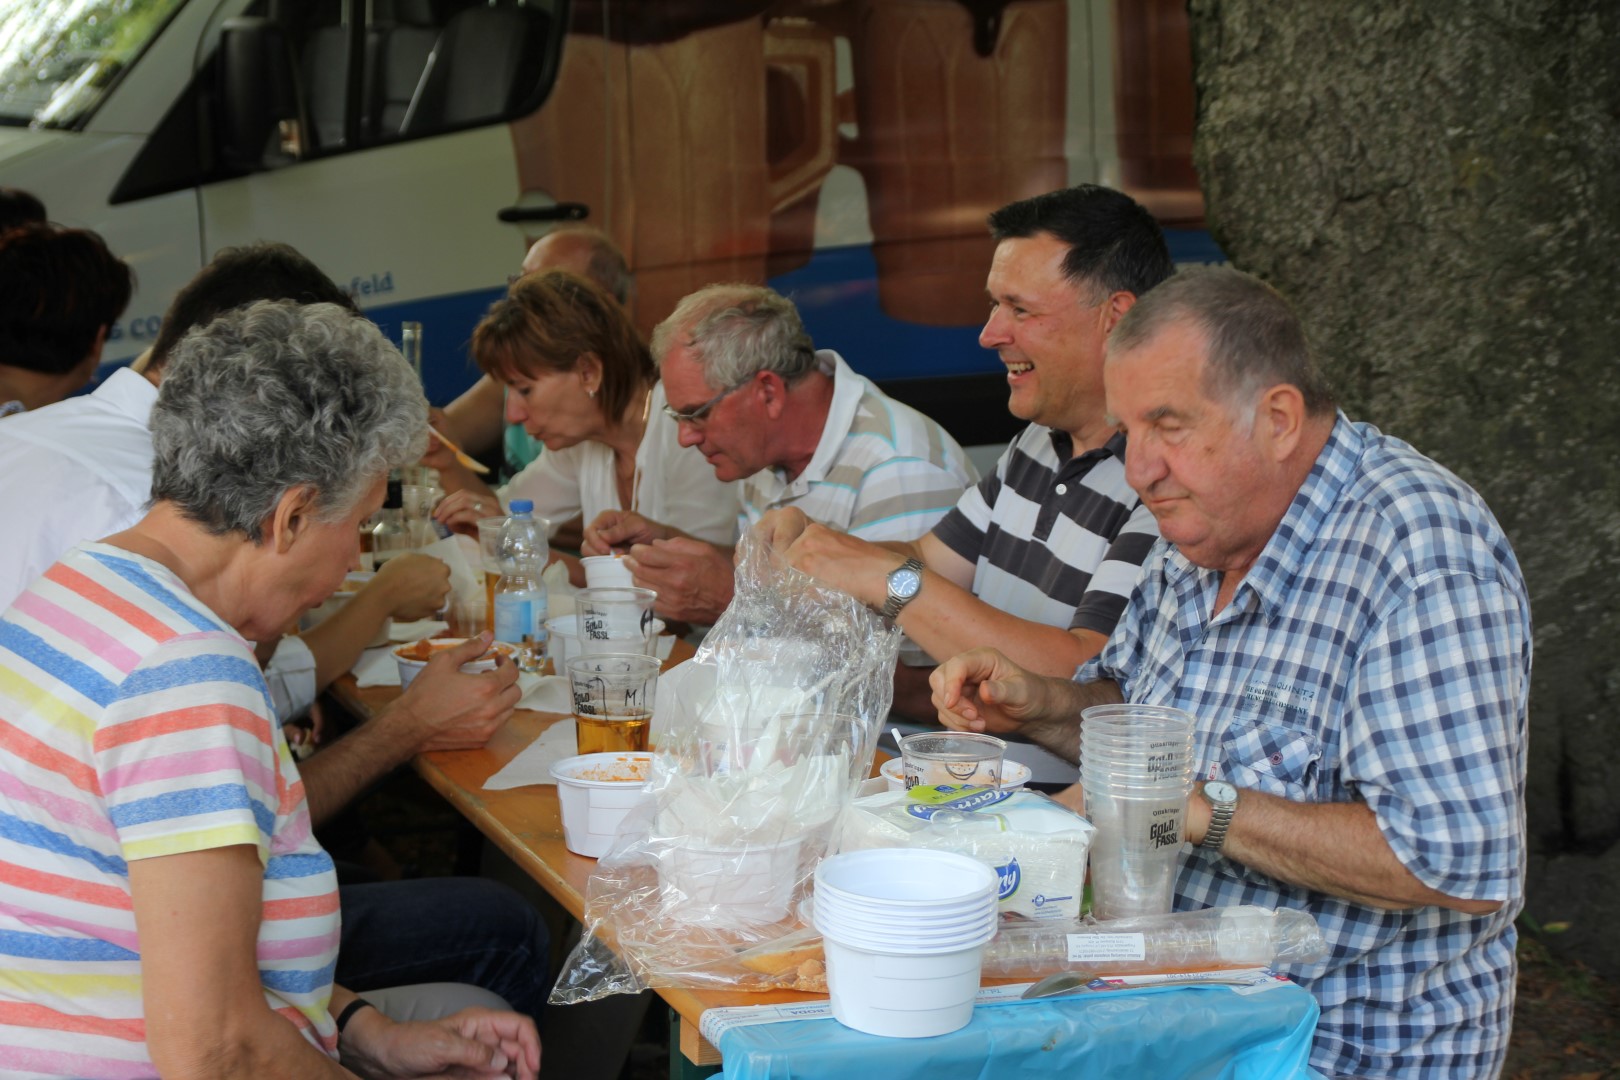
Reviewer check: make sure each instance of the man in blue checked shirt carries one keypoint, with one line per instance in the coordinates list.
(1349, 625)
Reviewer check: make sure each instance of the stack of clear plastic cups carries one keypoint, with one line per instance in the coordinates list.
(904, 931)
(1136, 771)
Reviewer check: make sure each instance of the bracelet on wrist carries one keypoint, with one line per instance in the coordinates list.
(349, 1010)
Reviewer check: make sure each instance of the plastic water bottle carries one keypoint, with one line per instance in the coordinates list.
(520, 595)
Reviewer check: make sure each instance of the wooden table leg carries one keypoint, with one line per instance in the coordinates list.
(691, 1056)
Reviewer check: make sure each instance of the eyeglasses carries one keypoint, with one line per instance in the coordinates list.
(701, 413)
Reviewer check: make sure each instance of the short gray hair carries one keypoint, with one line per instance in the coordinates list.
(275, 396)
(1255, 340)
(736, 331)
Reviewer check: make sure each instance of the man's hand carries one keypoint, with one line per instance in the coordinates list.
(858, 567)
(981, 690)
(447, 709)
(693, 579)
(412, 585)
(471, 1043)
(615, 530)
(779, 528)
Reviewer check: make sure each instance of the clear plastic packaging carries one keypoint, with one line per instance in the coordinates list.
(1230, 937)
(763, 738)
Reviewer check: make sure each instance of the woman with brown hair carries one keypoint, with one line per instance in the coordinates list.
(581, 381)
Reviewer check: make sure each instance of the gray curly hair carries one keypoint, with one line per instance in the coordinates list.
(735, 331)
(274, 396)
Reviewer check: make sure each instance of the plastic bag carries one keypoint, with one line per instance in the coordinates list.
(1225, 937)
(772, 731)
(1228, 937)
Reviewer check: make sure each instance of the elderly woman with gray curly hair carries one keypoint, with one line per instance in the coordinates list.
(164, 908)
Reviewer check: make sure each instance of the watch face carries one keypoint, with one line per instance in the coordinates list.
(905, 583)
(1219, 791)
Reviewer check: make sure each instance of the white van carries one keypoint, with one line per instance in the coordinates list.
(845, 151)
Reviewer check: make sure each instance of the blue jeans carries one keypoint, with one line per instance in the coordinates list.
(465, 930)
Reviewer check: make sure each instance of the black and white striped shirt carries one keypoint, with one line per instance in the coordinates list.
(1054, 539)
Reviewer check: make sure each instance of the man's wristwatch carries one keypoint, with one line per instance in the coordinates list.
(1223, 800)
(904, 583)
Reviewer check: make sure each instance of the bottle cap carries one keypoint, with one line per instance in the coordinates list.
(395, 498)
(522, 506)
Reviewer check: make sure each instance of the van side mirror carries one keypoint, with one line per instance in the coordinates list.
(260, 117)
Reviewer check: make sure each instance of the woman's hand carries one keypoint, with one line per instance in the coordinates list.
(461, 511)
(473, 1043)
(437, 455)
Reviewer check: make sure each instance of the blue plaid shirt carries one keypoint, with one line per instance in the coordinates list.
(1378, 650)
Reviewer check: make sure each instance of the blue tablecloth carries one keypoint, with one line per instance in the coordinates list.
(1188, 1033)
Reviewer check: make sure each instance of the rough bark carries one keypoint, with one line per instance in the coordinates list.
(1437, 188)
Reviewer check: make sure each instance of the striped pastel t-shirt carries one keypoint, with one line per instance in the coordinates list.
(135, 724)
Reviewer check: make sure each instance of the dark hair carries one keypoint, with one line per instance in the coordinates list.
(1254, 338)
(548, 321)
(1114, 243)
(58, 289)
(238, 276)
(18, 207)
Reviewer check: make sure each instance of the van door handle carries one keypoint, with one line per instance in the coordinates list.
(563, 211)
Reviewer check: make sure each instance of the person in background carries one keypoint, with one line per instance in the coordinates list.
(580, 380)
(19, 207)
(1041, 556)
(796, 426)
(1349, 626)
(82, 469)
(162, 887)
(477, 419)
(61, 294)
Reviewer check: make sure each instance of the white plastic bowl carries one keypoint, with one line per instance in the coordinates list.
(592, 809)
(409, 668)
(754, 882)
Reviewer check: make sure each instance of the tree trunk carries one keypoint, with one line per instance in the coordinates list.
(1436, 187)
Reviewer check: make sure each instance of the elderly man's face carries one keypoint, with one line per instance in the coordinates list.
(733, 434)
(1199, 469)
(1048, 333)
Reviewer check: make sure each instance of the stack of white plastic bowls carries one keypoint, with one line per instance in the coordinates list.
(904, 931)
(1136, 771)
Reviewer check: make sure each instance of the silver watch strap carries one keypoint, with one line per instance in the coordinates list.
(892, 605)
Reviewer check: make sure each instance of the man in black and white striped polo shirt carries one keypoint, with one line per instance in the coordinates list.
(1039, 558)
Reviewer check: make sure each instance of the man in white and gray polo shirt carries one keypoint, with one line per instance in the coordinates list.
(797, 426)
(1040, 558)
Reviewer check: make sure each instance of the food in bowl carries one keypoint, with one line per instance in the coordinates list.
(413, 656)
(624, 768)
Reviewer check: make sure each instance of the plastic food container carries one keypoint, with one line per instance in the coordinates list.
(413, 656)
(1014, 774)
(596, 791)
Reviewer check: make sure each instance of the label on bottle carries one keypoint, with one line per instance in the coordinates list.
(1100, 948)
(519, 616)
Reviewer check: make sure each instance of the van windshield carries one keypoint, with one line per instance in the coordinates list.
(58, 58)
